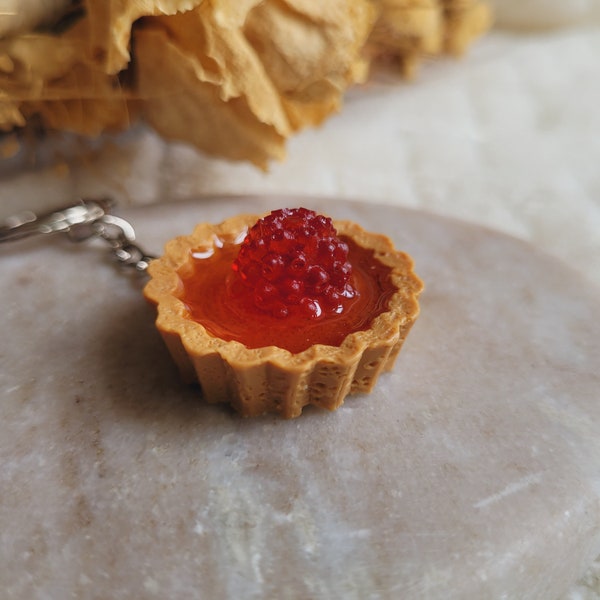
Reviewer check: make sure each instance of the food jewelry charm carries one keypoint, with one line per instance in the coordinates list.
(268, 314)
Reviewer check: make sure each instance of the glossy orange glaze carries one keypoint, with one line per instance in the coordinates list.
(213, 299)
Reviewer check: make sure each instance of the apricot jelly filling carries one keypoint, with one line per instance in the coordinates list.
(292, 283)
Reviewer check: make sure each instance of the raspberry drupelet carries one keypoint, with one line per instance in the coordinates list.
(293, 264)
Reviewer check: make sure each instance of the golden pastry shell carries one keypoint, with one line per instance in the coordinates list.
(272, 379)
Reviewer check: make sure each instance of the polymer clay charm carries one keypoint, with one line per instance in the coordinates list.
(267, 313)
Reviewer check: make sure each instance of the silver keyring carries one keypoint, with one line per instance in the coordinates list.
(81, 221)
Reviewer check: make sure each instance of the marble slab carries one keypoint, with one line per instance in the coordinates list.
(472, 471)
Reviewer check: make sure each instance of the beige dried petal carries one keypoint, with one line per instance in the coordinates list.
(232, 14)
(234, 77)
(104, 110)
(297, 80)
(406, 31)
(53, 79)
(410, 30)
(311, 58)
(179, 104)
(35, 59)
(10, 115)
(111, 22)
(7, 64)
(225, 59)
(465, 23)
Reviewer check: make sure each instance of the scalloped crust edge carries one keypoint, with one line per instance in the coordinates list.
(271, 379)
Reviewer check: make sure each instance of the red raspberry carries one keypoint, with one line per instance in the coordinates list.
(292, 263)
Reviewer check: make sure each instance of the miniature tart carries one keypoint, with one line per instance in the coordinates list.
(275, 313)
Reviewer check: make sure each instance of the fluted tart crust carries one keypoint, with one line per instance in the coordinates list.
(270, 378)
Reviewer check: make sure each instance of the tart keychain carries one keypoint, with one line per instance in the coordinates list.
(269, 313)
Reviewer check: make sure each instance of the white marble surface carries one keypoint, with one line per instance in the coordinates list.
(472, 471)
(506, 138)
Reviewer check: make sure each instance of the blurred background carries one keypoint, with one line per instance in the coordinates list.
(501, 131)
(497, 124)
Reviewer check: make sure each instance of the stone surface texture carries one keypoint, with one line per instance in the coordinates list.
(115, 481)
(472, 471)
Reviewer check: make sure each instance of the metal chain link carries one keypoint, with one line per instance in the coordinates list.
(121, 238)
(85, 220)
